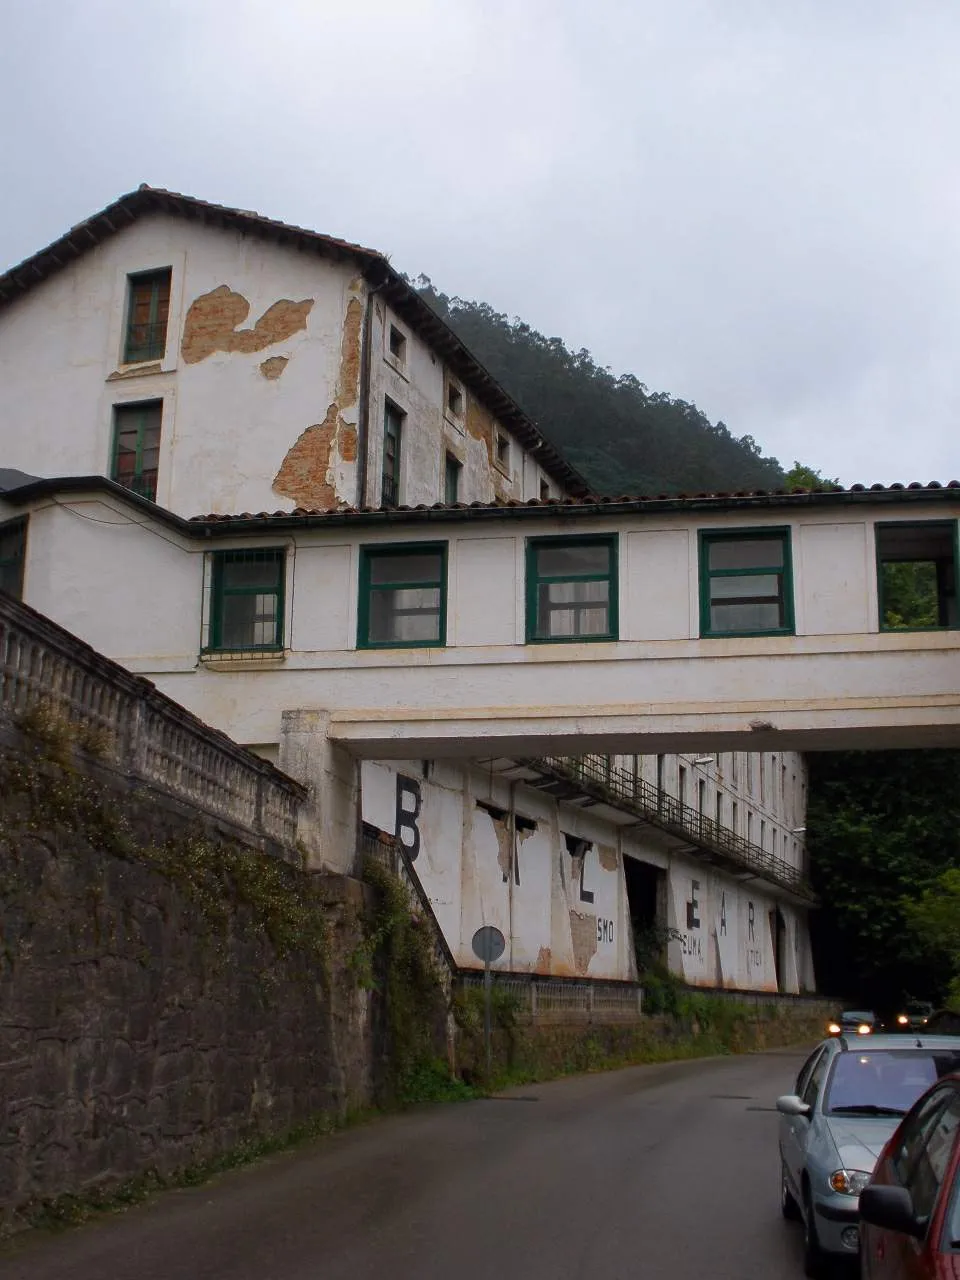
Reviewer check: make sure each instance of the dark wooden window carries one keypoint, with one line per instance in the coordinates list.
(136, 446)
(148, 309)
(13, 545)
(392, 435)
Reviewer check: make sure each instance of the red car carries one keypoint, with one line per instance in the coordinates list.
(910, 1212)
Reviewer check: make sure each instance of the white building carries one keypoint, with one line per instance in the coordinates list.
(213, 363)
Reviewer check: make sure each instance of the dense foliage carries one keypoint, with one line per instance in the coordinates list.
(882, 827)
(622, 437)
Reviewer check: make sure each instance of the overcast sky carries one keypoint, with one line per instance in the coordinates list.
(751, 204)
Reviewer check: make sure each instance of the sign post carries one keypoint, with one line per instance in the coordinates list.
(488, 946)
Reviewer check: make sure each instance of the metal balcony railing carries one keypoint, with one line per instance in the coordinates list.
(598, 777)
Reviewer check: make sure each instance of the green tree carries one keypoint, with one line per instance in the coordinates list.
(803, 477)
(934, 923)
(882, 827)
(624, 438)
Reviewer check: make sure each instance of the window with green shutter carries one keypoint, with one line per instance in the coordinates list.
(403, 596)
(148, 310)
(452, 470)
(572, 589)
(136, 446)
(745, 582)
(13, 545)
(246, 610)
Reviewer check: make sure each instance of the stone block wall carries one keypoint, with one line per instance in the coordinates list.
(165, 992)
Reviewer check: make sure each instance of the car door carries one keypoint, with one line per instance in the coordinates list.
(795, 1130)
(918, 1162)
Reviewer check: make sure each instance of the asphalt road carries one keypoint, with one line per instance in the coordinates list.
(663, 1171)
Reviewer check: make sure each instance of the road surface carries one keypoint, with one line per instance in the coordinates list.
(666, 1171)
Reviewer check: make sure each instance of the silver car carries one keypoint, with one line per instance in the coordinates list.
(850, 1095)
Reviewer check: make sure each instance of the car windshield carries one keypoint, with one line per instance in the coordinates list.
(884, 1081)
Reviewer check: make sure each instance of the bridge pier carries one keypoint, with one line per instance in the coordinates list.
(329, 826)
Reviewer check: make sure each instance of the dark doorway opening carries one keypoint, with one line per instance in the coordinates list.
(647, 902)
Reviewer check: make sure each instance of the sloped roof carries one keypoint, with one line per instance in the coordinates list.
(904, 498)
(374, 266)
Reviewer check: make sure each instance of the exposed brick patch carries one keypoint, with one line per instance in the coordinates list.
(303, 475)
(213, 321)
(583, 935)
(608, 857)
(481, 424)
(306, 473)
(273, 366)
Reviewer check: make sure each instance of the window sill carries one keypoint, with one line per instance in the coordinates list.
(398, 366)
(147, 369)
(242, 659)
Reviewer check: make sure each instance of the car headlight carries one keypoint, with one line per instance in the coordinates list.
(834, 1028)
(902, 1019)
(849, 1182)
(864, 1029)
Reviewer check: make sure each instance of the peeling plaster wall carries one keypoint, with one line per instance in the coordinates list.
(418, 385)
(243, 312)
(557, 891)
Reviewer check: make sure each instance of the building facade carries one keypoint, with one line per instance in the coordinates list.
(210, 362)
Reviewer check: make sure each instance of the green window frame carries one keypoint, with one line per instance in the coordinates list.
(13, 549)
(572, 589)
(746, 582)
(403, 596)
(452, 471)
(135, 453)
(392, 442)
(917, 564)
(247, 601)
(148, 310)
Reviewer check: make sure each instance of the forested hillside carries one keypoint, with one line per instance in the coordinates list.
(623, 437)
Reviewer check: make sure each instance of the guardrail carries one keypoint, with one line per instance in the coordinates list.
(48, 671)
(598, 776)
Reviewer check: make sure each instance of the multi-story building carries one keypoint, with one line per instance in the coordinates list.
(169, 365)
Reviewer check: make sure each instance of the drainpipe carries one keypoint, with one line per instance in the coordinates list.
(363, 412)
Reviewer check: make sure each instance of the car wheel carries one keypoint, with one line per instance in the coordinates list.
(812, 1253)
(788, 1206)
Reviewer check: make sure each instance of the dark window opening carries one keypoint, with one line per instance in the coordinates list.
(392, 435)
(917, 576)
(503, 450)
(403, 596)
(454, 399)
(136, 447)
(247, 607)
(148, 309)
(13, 547)
(398, 344)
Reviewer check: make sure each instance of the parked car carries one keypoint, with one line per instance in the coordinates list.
(910, 1212)
(859, 1021)
(850, 1096)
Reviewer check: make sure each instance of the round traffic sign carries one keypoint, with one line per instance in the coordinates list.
(488, 944)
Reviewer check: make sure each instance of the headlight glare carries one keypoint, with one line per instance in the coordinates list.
(834, 1028)
(902, 1019)
(849, 1182)
(864, 1029)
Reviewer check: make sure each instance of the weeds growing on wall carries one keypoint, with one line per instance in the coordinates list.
(47, 791)
(397, 960)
